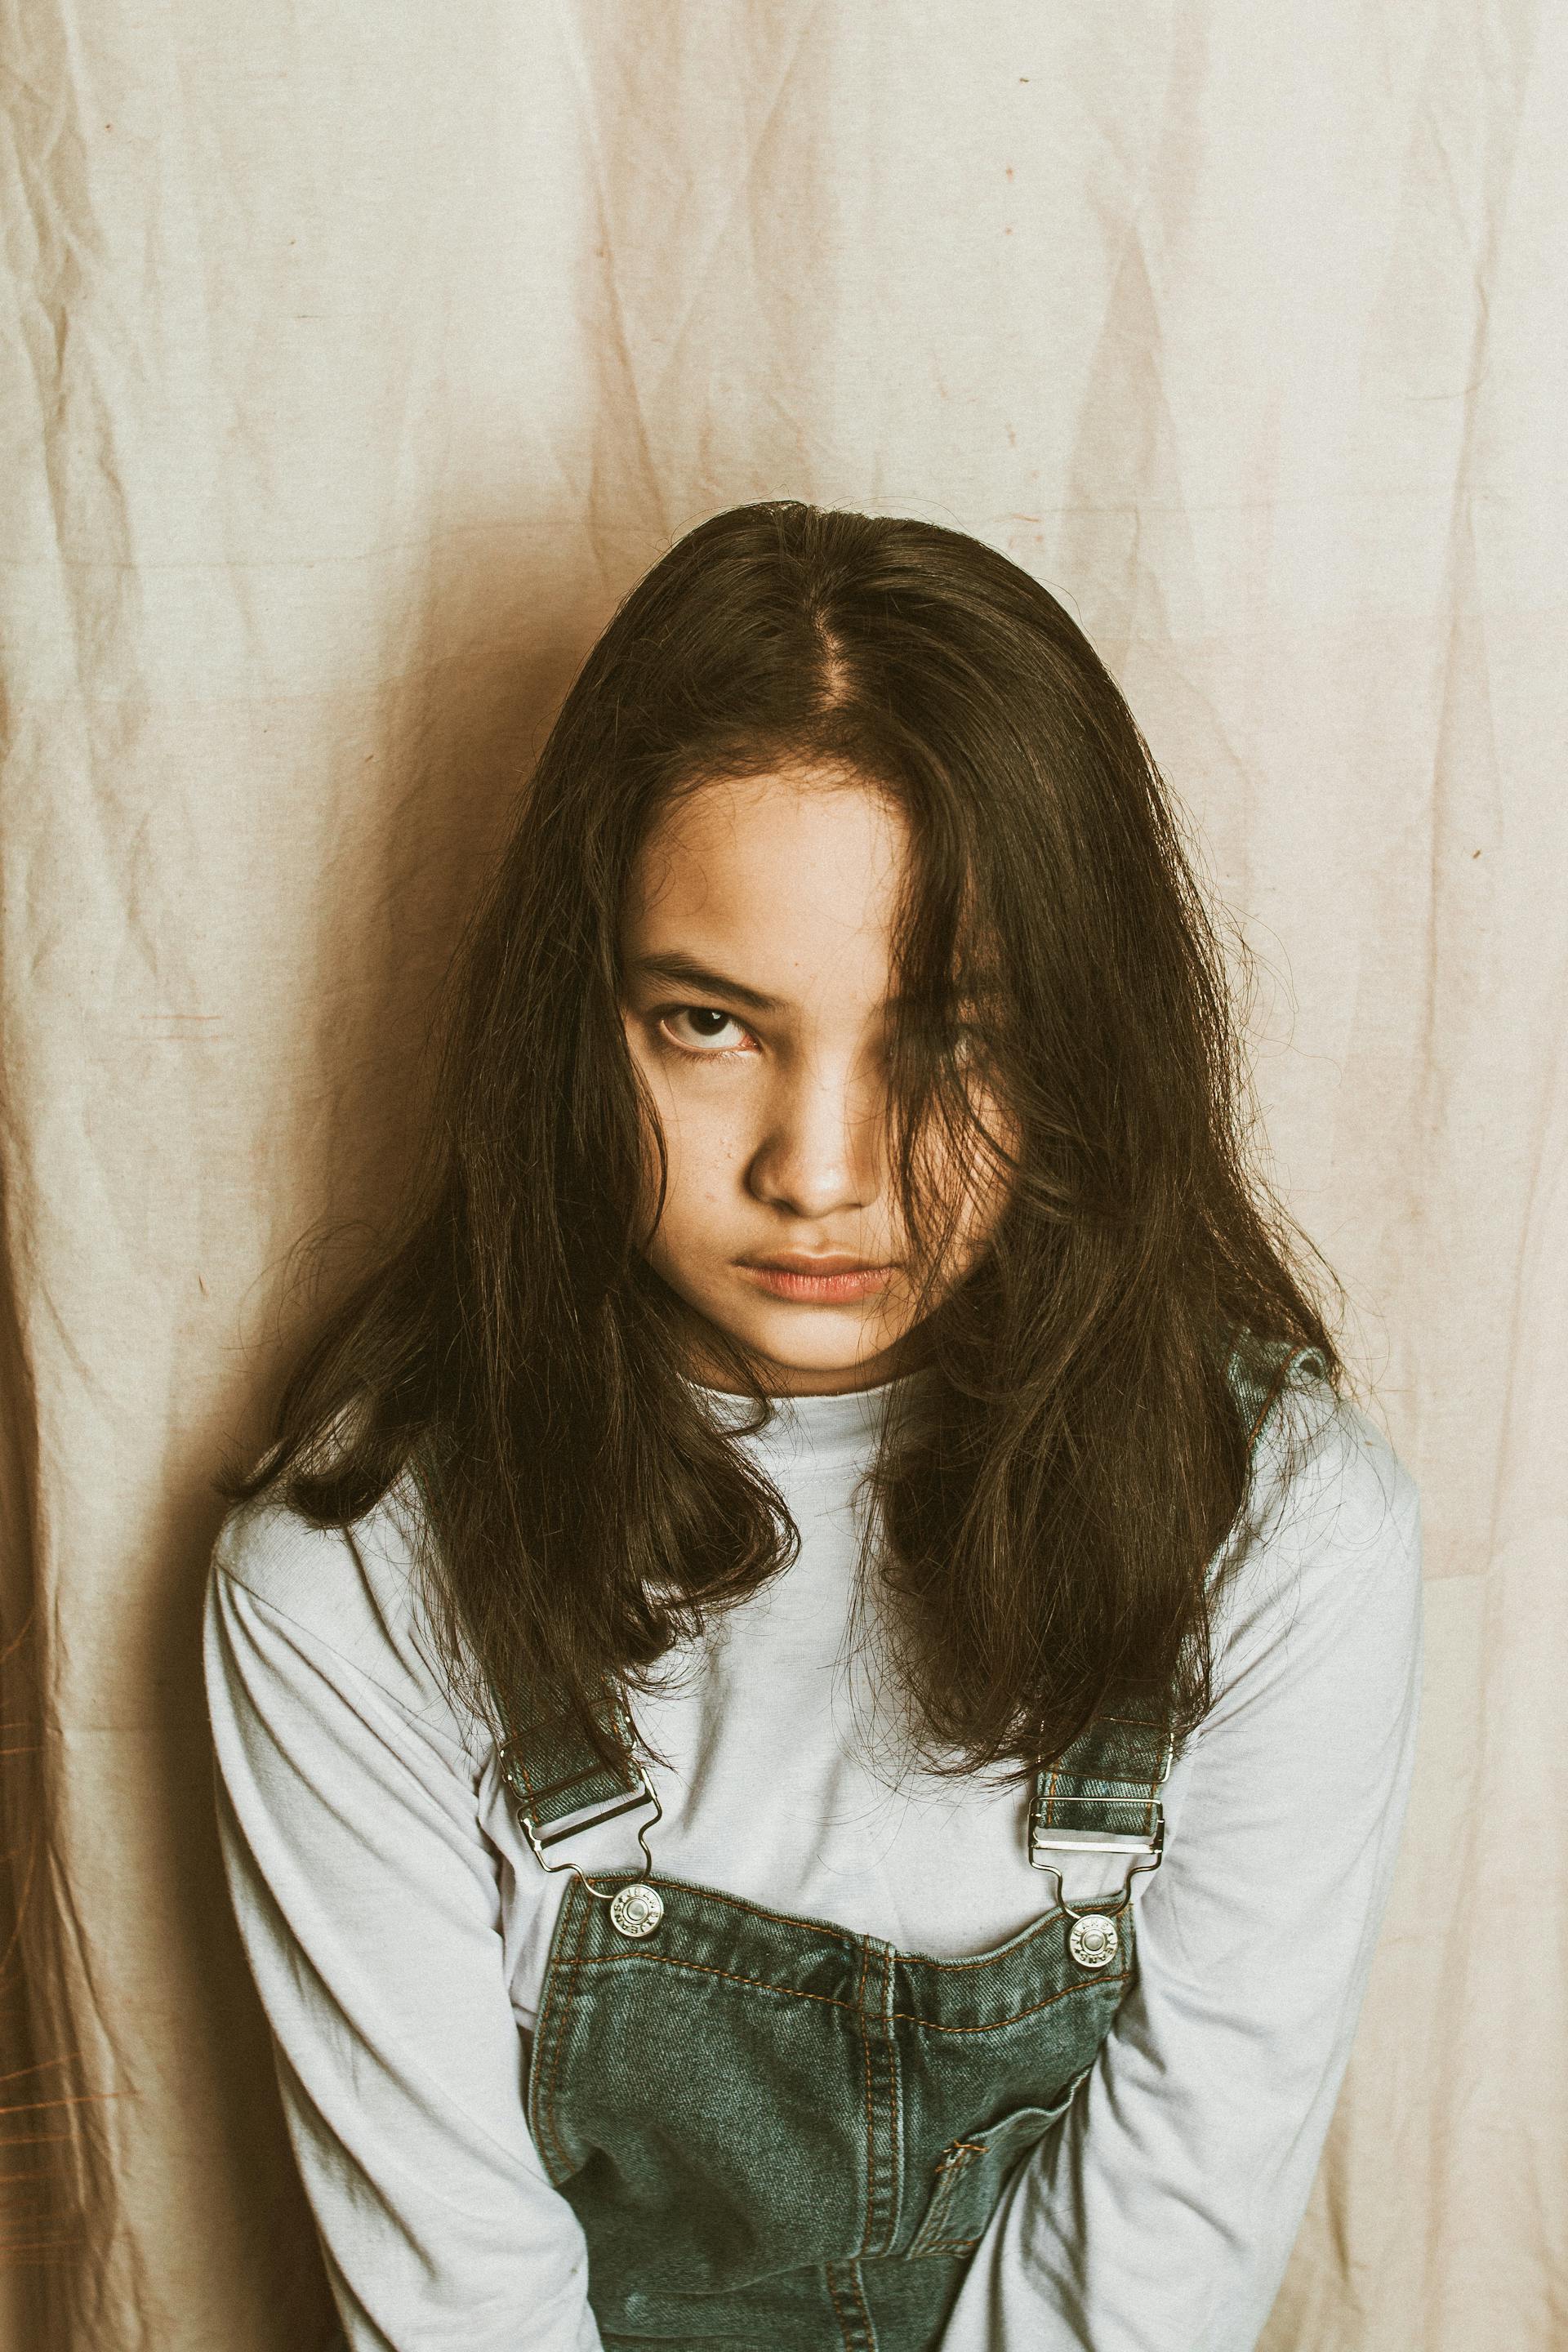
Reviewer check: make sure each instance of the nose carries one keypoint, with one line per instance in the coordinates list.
(821, 1147)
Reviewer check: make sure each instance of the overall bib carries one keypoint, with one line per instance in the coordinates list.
(780, 2136)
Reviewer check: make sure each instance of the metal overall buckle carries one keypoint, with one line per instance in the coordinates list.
(1092, 1939)
(636, 1907)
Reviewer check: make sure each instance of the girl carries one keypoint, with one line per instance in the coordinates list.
(814, 1697)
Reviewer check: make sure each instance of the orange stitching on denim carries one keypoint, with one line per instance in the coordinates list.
(847, 1935)
(785, 1919)
(868, 2338)
(514, 1764)
(544, 2027)
(862, 2335)
(870, 2102)
(932, 2238)
(1025, 1937)
(547, 2041)
(828, 2270)
(987, 1959)
(670, 1960)
(558, 1787)
(903, 2016)
(586, 1903)
(995, 2023)
(828, 2000)
(928, 2239)
(568, 1970)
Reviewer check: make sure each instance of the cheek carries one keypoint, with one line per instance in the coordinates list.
(704, 1142)
(705, 1151)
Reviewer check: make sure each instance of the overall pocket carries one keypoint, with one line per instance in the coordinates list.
(971, 2172)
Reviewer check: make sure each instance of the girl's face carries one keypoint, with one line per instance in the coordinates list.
(755, 961)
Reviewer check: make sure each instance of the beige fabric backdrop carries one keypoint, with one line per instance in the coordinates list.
(357, 359)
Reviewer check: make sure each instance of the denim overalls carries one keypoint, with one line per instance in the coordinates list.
(781, 2136)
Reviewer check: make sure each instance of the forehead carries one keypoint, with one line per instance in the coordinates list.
(791, 880)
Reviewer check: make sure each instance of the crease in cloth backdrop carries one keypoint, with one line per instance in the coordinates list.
(355, 366)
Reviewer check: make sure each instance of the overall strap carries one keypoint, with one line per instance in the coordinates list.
(560, 1781)
(555, 1774)
(1257, 1371)
(553, 1770)
(1103, 1793)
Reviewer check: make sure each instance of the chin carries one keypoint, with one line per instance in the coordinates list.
(844, 1349)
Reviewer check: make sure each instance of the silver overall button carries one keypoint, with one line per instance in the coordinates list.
(638, 1909)
(1091, 1940)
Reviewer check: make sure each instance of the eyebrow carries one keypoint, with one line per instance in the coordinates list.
(690, 971)
(686, 970)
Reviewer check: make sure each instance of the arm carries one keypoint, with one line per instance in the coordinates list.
(367, 1903)
(1161, 2215)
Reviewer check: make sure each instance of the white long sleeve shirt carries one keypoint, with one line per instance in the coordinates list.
(398, 1926)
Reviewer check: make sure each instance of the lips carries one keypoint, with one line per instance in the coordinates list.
(817, 1281)
(827, 1261)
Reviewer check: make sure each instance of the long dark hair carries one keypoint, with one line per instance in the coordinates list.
(1050, 1516)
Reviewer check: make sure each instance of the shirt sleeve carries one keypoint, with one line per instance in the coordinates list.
(1159, 2217)
(368, 1905)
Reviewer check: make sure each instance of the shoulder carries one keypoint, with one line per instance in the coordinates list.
(1326, 1473)
(351, 1594)
(1325, 1559)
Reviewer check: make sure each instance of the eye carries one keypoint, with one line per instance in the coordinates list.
(707, 1047)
